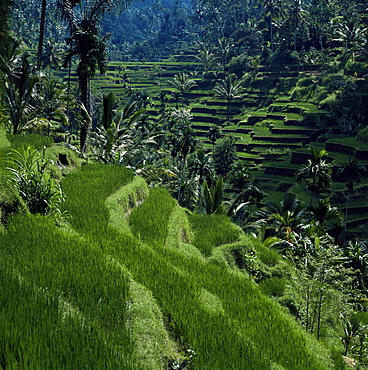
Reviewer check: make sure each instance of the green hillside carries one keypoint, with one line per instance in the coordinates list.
(130, 280)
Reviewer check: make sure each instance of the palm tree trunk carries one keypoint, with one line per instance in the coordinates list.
(42, 34)
(228, 112)
(85, 100)
(346, 216)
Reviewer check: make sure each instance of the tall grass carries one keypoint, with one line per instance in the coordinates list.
(73, 282)
(86, 191)
(34, 140)
(249, 331)
(211, 231)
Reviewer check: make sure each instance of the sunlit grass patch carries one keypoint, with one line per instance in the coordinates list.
(74, 269)
(149, 222)
(211, 231)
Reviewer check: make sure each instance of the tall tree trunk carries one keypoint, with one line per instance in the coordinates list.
(42, 34)
(85, 100)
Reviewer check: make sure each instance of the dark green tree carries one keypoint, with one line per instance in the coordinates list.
(224, 155)
(317, 172)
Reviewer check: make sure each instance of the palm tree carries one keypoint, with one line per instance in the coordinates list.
(50, 56)
(316, 171)
(200, 163)
(224, 48)
(41, 34)
(253, 195)
(228, 89)
(19, 90)
(211, 198)
(271, 9)
(286, 215)
(296, 16)
(356, 257)
(350, 32)
(326, 215)
(118, 138)
(182, 83)
(87, 45)
(108, 109)
(213, 134)
(207, 58)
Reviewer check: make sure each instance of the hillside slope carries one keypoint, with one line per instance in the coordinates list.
(123, 288)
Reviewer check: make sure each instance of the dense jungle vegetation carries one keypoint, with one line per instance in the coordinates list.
(183, 184)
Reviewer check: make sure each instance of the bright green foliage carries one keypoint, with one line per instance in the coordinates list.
(63, 305)
(219, 314)
(211, 231)
(155, 211)
(36, 141)
(86, 192)
(28, 169)
(273, 286)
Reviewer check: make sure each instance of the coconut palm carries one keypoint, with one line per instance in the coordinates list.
(207, 58)
(317, 172)
(41, 34)
(211, 198)
(253, 195)
(356, 257)
(118, 139)
(50, 56)
(224, 48)
(286, 216)
(213, 134)
(350, 32)
(182, 83)
(19, 91)
(228, 89)
(271, 10)
(296, 15)
(200, 163)
(87, 45)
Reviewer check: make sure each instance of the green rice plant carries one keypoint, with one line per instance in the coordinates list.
(149, 221)
(40, 330)
(121, 203)
(211, 231)
(77, 271)
(4, 142)
(273, 286)
(250, 324)
(85, 194)
(36, 141)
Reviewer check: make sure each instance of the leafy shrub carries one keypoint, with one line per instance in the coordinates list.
(41, 193)
(326, 103)
(358, 68)
(306, 81)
